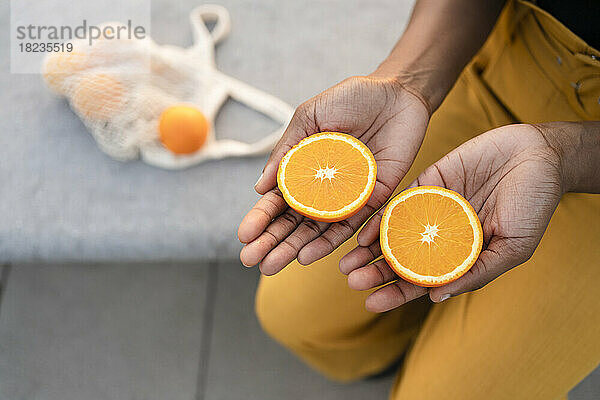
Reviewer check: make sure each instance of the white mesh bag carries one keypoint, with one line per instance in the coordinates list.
(119, 88)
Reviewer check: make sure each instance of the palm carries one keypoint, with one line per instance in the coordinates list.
(388, 119)
(511, 179)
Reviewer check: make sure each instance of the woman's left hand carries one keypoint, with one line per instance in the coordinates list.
(388, 118)
(513, 178)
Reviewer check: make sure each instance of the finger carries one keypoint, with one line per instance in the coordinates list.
(491, 263)
(371, 275)
(393, 295)
(260, 216)
(341, 231)
(298, 128)
(277, 231)
(336, 234)
(288, 250)
(359, 257)
(370, 232)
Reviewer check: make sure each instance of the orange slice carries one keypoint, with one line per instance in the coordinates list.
(328, 176)
(430, 236)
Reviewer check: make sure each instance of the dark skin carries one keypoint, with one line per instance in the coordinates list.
(514, 177)
(389, 111)
(372, 109)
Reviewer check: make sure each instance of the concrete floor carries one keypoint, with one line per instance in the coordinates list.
(154, 332)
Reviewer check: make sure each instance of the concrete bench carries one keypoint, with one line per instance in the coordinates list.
(63, 199)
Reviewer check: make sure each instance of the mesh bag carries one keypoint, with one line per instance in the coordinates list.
(120, 87)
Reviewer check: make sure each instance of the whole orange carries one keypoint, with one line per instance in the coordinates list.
(183, 129)
(98, 97)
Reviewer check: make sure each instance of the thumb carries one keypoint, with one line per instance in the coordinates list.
(300, 126)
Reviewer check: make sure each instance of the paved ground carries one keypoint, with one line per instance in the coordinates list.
(154, 332)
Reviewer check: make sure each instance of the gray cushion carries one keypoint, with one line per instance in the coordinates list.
(63, 199)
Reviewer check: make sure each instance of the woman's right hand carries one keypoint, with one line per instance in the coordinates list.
(513, 176)
(390, 119)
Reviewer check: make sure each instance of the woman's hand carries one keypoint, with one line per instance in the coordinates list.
(390, 119)
(513, 177)
(383, 114)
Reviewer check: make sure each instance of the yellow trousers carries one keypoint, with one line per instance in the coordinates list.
(533, 333)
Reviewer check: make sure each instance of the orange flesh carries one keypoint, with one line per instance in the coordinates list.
(449, 246)
(322, 157)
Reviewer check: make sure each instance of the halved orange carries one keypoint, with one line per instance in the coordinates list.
(430, 236)
(328, 176)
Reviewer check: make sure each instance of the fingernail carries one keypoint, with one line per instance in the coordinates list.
(246, 265)
(259, 179)
(444, 297)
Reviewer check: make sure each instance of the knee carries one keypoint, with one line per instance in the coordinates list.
(310, 309)
(334, 336)
(297, 326)
(308, 324)
(286, 320)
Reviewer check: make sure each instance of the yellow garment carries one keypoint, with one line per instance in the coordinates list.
(531, 334)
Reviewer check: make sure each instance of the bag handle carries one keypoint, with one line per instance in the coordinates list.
(205, 40)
